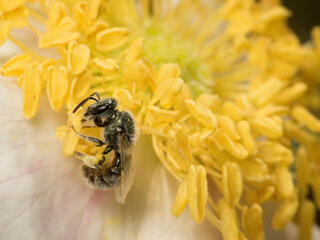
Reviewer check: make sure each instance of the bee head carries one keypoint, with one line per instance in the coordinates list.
(99, 111)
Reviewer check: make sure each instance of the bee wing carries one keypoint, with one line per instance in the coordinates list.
(127, 172)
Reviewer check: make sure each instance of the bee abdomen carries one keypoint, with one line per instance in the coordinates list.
(102, 178)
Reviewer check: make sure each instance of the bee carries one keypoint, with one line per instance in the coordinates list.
(119, 135)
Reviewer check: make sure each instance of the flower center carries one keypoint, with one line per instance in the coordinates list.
(164, 46)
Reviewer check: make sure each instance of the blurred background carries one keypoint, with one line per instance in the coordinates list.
(305, 15)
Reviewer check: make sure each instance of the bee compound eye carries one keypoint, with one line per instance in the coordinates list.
(99, 109)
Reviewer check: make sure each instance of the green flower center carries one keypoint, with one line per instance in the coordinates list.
(162, 46)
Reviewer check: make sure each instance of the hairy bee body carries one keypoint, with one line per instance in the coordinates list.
(101, 178)
(119, 135)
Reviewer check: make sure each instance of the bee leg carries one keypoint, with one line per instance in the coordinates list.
(90, 126)
(105, 152)
(88, 160)
(97, 141)
(116, 166)
(86, 99)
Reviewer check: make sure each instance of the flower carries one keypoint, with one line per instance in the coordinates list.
(223, 101)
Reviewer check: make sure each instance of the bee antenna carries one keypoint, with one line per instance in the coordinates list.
(83, 102)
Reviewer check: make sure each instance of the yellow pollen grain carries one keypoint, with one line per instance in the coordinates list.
(167, 71)
(5, 29)
(303, 116)
(71, 139)
(266, 91)
(61, 34)
(78, 57)
(291, 94)
(293, 130)
(231, 110)
(112, 38)
(169, 163)
(15, 66)
(202, 114)
(271, 110)
(32, 89)
(61, 132)
(285, 213)
(284, 183)
(246, 136)
(80, 86)
(315, 185)
(260, 195)
(162, 115)
(57, 86)
(197, 192)
(306, 219)
(253, 169)
(229, 223)
(231, 183)
(56, 13)
(228, 126)
(124, 97)
(106, 66)
(234, 148)
(274, 153)
(96, 27)
(209, 100)
(134, 51)
(6, 6)
(252, 222)
(181, 200)
(303, 171)
(267, 126)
